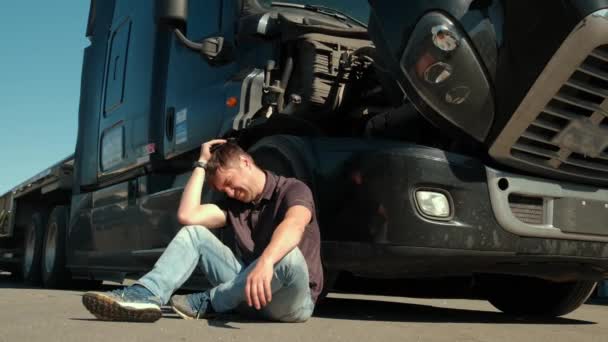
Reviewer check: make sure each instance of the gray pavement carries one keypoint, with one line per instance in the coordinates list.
(34, 314)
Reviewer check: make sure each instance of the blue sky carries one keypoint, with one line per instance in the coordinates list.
(40, 66)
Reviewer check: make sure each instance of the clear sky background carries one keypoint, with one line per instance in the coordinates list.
(41, 52)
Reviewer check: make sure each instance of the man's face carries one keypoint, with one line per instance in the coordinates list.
(236, 182)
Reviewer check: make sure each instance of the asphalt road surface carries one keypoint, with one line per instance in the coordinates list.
(34, 314)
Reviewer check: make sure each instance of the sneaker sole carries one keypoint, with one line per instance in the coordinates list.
(181, 314)
(108, 309)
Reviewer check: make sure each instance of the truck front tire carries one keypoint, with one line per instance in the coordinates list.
(284, 155)
(536, 297)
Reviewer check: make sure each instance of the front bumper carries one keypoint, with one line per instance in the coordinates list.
(371, 224)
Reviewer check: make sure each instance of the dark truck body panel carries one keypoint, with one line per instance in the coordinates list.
(369, 222)
(372, 226)
(372, 229)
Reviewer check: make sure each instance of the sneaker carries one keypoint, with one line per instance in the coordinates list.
(134, 303)
(192, 306)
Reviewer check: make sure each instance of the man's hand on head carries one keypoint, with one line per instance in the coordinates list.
(258, 289)
(206, 149)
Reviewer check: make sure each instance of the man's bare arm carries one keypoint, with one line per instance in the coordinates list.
(191, 211)
(285, 238)
(288, 234)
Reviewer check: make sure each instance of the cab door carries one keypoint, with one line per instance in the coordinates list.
(194, 110)
(132, 79)
(195, 102)
(128, 85)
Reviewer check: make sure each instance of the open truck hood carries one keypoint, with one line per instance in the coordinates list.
(528, 80)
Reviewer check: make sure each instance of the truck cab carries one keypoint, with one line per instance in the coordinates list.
(441, 139)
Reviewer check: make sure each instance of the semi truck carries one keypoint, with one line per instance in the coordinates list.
(442, 140)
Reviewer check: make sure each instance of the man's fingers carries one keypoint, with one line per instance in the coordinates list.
(208, 147)
(216, 141)
(254, 296)
(268, 290)
(261, 295)
(248, 292)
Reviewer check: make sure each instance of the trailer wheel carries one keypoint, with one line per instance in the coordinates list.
(32, 249)
(538, 297)
(54, 272)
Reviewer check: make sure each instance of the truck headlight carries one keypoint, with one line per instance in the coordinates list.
(442, 66)
(433, 204)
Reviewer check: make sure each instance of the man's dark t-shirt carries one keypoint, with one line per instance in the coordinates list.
(279, 194)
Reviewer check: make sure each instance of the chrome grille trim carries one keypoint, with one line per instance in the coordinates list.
(577, 102)
(587, 88)
(573, 88)
(560, 113)
(547, 125)
(592, 71)
(538, 188)
(600, 54)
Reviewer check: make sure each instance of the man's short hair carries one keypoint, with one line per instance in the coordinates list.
(225, 156)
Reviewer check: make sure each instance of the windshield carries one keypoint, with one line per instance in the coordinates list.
(358, 9)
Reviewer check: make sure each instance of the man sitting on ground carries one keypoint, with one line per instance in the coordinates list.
(277, 274)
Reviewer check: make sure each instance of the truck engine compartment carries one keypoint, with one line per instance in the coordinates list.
(330, 78)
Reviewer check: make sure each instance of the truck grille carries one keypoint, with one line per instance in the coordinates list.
(561, 127)
(580, 98)
(527, 209)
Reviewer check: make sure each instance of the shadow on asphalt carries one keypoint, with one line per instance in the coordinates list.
(8, 281)
(361, 310)
(375, 310)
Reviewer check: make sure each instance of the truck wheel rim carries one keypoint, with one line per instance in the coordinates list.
(29, 249)
(50, 250)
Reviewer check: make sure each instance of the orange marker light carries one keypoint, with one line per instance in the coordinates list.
(231, 102)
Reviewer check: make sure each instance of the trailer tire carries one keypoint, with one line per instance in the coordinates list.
(536, 297)
(32, 249)
(54, 272)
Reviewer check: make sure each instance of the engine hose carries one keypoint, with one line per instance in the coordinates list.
(187, 42)
(286, 76)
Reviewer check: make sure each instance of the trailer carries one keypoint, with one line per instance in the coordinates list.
(49, 187)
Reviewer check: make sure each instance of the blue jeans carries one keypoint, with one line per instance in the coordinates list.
(196, 245)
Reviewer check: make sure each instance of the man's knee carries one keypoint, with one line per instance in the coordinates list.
(297, 317)
(195, 233)
(295, 258)
(300, 315)
(292, 269)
